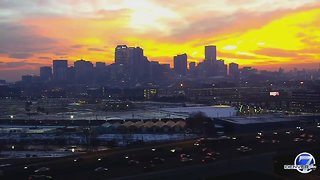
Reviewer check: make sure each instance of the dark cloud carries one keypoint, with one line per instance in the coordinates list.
(236, 56)
(76, 46)
(45, 58)
(215, 23)
(95, 49)
(17, 38)
(60, 53)
(273, 52)
(20, 55)
(17, 64)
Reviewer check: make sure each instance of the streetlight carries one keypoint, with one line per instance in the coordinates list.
(71, 117)
(11, 116)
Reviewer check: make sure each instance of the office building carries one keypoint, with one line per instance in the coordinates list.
(83, 71)
(121, 54)
(210, 53)
(234, 70)
(45, 73)
(60, 68)
(180, 64)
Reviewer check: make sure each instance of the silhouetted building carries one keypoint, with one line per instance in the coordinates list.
(83, 71)
(220, 69)
(247, 72)
(26, 79)
(211, 53)
(137, 63)
(100, 65)
(60, 70)
(71, 74)
(121, 54)
(180, 64)
(45, 73)
(100, 73)
(192, 66)
(234, 70)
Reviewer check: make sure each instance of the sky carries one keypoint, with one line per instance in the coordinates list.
(266, 34)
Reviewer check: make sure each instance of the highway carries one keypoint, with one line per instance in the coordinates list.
(135, 162)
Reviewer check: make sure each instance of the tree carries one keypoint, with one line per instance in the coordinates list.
(201, 124)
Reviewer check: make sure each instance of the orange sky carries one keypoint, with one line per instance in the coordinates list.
(266, 34)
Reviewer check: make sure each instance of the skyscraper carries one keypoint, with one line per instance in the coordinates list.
(71, 75)
(180, 64)
(60, 70)
(45, 73)
(100, 65)
(192, 66)
(234, 70)
(220, 69)
(83, 71)
(121, 54)
(210, 53)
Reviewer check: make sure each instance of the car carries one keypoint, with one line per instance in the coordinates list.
(77, 159)
(102, 159)
(175, 150)
(42, 169)
(185, 158)
(310, 140)
(157, 160)
(101, 169)
(30, 168)
(274, 141)
(39, 177)
(149, 167)
(208, 159)
(200, 142)
(133, 162)
(213, 153)
(262, 141)
(4, 165)
(297, 139)
(244, 149)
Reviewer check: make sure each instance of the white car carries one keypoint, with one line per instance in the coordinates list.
(42, 169)
(244, 149)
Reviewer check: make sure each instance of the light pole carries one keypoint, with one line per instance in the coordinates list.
(71, 117)
(11, 118)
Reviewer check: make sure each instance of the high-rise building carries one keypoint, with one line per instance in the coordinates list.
(100, 65)
(234, 70)
(180, 64)
(26, 79)
(71, 74)
(45, 73)
(121, 54)
(192, 66)
(210, 53)
(220, 69)
(83, 71)
(100, 72)
(60, 70)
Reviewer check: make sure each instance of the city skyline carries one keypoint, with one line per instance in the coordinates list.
(264, 34)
